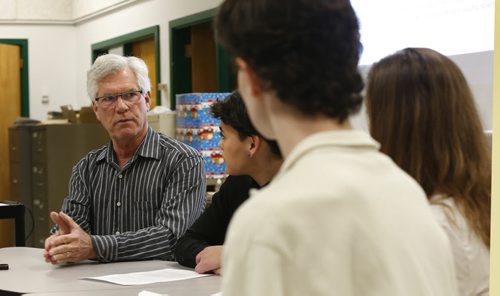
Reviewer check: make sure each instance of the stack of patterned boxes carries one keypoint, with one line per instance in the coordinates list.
(196, 127)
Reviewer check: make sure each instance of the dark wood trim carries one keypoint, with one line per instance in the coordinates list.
(180, 76)
(193, 19)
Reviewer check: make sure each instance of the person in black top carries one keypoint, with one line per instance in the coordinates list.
(251, 161)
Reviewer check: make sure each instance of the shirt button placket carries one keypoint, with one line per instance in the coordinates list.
(119, 204)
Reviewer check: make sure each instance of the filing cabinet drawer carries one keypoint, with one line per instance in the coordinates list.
(41, 222)
(38, 146)
(14, 145)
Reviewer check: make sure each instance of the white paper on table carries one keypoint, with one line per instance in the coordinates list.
(149, 277)
(148, 293)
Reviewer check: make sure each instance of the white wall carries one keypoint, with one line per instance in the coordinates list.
(52, 64)
(452, 27)
(129, 19)
(478, 70)
(60, 55)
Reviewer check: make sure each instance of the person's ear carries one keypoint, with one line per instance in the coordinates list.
(248, 74)
(147, 97)
(255, 143)
(95, 108)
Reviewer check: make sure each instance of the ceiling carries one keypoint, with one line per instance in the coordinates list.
(56, 11)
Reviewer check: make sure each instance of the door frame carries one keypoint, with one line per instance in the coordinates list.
(180, 75)
(103, 46)
(25, 97)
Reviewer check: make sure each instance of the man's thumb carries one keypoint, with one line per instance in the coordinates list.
(68, 221)
(58, 219)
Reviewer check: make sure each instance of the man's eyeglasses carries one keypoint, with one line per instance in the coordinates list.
(129, 98)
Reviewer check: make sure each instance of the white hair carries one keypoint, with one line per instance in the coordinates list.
(110, 63)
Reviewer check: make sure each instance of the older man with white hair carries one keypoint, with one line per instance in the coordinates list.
(133, 198)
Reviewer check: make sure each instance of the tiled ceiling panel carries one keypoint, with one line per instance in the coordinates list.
(55, 11)
(45, 9)
(83, 8)
(9, 9)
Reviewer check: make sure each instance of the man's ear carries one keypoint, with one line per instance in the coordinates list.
(147, 97)
(95, 107)
(253, 81)
(255, 144)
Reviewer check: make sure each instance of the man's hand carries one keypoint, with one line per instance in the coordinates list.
(70, 244)
(208, 260)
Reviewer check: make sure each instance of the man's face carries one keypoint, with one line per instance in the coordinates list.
(234, 150)
(124, 121)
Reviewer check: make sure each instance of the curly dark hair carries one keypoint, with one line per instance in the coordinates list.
(307, 51)
(232, 111)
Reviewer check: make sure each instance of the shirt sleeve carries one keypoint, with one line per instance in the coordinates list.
(77, 203)
(183, 202)
(204, 232)
(210, 229)
(190, 245)
(457, 237)
(258, 272)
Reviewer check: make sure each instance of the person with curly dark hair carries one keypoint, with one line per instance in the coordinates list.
(251, 162)
(339, 218)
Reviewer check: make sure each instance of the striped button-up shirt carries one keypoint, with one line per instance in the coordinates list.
(140, 211)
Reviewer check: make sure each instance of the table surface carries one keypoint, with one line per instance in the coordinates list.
(29, 273)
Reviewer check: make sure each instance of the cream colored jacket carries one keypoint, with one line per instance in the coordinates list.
(472, 257)
(340, 218)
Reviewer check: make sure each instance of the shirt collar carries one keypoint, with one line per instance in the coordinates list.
(354, 139)
(149, 148)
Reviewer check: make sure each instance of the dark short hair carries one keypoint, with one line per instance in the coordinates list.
(307, 51)
(232, 111)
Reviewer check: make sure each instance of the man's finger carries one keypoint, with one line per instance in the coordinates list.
(68, 220)
(48, 242)
(60, 258)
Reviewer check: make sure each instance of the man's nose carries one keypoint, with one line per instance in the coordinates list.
(120, 104)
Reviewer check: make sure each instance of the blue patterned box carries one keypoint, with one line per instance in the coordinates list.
(193, 109)
(214, 163)
(209, 137)
(196, 127)
(188, 136)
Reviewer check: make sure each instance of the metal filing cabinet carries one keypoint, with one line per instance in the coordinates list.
(55, 149)
(20, 173)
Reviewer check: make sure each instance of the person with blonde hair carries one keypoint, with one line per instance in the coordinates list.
(422, 112)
